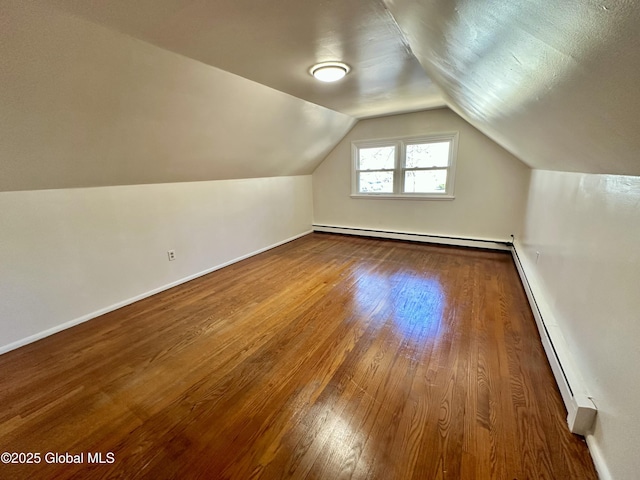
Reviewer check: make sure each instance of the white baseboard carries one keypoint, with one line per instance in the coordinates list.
(129, 301)
(598, 459)
(581, 411)
(417, 237)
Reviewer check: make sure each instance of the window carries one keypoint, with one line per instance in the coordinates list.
(421, 167)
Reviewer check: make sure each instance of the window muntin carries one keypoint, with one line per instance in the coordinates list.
(421, 167)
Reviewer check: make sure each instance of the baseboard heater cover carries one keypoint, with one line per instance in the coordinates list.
(581, 411)
(417, 237)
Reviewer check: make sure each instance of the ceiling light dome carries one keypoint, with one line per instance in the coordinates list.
(329, 71)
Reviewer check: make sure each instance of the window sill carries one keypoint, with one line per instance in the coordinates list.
(387, 196)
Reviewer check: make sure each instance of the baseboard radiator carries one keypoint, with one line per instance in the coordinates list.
(581, 411)
(417, 237)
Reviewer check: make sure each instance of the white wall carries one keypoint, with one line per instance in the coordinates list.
(587, 230)
(490, 189)
(69, 253)
(85, 106)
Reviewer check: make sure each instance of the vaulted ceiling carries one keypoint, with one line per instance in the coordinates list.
(119, 92)
(556, 83)
(275, 43)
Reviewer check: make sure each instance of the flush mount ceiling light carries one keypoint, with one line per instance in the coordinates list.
(329, 71)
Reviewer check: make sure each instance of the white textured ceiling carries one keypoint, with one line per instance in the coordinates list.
(556, 83)
(276, 42)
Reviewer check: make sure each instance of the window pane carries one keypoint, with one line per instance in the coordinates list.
(376, 158)
(425, 181)
(426, 155)
(376, 182)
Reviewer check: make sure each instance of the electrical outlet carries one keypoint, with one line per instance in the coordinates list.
(171, 254)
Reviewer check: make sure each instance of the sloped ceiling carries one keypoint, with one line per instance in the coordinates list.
(556, 83)
(110, 93)
(276, 42)
(85, 106)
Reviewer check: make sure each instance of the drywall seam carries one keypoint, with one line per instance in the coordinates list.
(129, 301)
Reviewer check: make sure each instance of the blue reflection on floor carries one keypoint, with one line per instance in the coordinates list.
(413, 302)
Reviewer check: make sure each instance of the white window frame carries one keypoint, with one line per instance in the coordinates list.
(400, 144)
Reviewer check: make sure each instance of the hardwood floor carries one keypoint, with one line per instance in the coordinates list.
(329, 357)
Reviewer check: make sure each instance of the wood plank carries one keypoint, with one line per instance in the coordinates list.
(328, 357)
